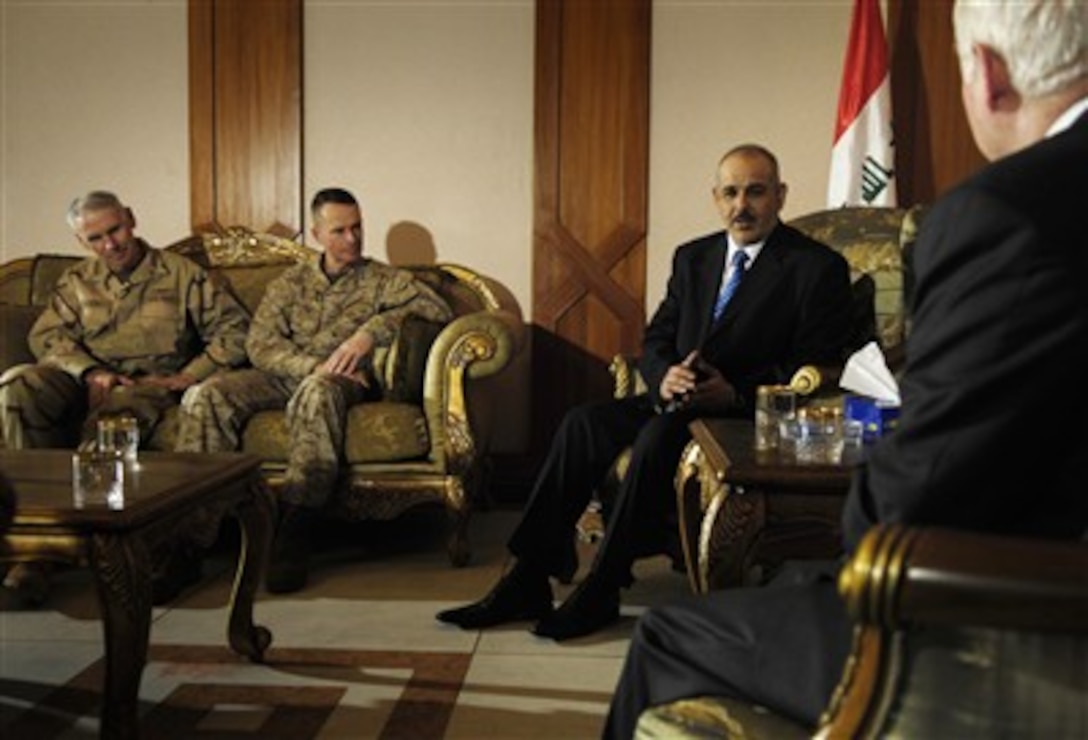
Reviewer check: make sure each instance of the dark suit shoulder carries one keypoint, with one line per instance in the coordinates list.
(1039, 177)
(701, 244)
(1041, 187)
(1036, 172)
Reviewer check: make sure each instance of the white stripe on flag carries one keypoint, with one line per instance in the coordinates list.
(863, 156)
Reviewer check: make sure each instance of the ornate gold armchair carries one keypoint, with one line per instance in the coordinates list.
(425, 441)
(957, 634)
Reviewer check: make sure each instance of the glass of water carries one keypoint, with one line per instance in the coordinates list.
(121, 435)
(98, 479)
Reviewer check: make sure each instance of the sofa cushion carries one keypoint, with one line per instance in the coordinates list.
(47, 270)
(15, 323)
(407, 359)
(386, 432)
(461, 297)
(383, 431)
(249, 282)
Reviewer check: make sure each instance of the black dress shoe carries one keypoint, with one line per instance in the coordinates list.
(591, 607)
(520, 594)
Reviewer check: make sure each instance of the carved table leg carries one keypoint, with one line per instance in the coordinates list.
(731, 527)
(123, 580)
(255, 515)
(690, 493)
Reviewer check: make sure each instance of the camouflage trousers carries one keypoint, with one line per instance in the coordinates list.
(41, 406)
(214, 415)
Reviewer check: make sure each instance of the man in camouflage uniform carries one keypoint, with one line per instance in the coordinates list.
(311, 344)
(126, 331)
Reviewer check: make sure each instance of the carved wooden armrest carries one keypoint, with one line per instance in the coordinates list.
(903, 575)
(956, 634)
(628, 379)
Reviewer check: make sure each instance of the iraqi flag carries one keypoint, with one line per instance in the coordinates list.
(863, 157)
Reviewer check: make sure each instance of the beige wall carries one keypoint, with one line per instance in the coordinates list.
(732, 71)
(424, 109)
(92, 95)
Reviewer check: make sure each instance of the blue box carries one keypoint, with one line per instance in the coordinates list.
(877, 417)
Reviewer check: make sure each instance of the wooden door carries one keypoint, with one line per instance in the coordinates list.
(245, 111)
(934, 147)
(590, 201)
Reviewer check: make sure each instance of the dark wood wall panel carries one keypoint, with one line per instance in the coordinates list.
(246, 114)
(934, 148)
(202, 194)
(591, 169)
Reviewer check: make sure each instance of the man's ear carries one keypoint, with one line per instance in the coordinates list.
(996, 80)
(130, 218)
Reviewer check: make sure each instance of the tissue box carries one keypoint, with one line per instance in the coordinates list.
(877, 417)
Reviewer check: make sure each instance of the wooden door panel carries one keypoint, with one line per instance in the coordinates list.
(246, 114)
(592, 153)
(934, 146)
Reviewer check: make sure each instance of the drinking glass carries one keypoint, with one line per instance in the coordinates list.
(98, 479)
(774, 404)
(120, 434)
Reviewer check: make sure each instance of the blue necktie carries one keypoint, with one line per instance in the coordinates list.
(740, 259)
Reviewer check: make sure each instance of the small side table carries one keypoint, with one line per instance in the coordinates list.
(743, 512)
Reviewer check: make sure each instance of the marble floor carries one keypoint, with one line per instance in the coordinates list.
(358, 654)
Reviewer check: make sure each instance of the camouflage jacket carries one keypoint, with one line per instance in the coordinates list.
(170, 316)
(304, 316)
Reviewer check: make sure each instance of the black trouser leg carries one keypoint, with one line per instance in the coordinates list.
(589, 440)
(781, 646)
(636, 524)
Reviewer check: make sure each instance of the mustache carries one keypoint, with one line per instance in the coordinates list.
(744, 217)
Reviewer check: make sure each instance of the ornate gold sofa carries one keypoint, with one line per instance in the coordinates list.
(876, 243)
(426, 441)
(957, 634)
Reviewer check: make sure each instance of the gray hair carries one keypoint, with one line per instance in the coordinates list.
(96, 200)
(1043, 42)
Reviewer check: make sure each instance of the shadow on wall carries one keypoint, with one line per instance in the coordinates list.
(409, 243)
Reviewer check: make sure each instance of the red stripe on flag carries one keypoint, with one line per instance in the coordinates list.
(866, 62)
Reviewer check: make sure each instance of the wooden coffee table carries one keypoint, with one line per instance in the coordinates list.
(166, 496)
(743, 511)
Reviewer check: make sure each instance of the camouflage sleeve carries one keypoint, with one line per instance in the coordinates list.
(56, 338)
(269, 342)
(221, 322)
(403, 296)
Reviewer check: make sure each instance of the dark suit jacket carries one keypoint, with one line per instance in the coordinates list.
(994, 428)
(793, 307)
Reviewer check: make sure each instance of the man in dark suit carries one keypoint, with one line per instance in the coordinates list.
(744, 307)
(988, 439)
